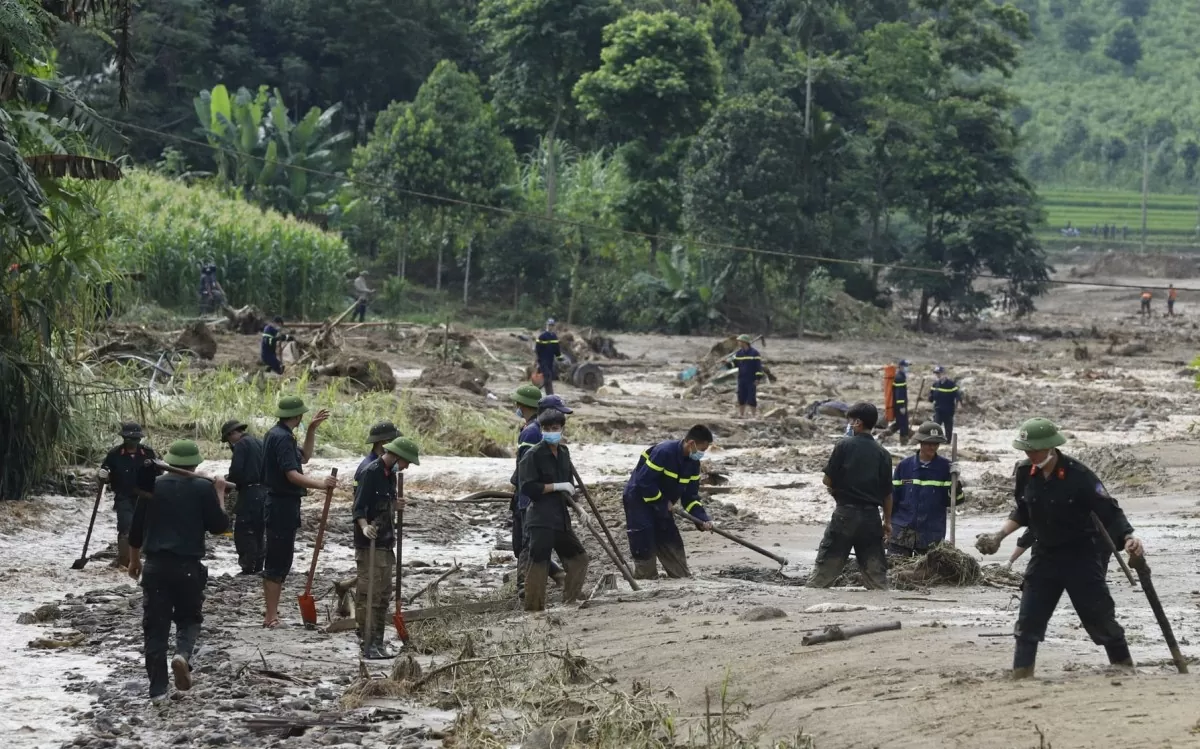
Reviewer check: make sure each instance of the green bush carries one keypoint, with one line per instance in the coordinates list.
(166, 230)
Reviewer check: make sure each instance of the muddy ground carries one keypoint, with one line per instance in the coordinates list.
(676, 645)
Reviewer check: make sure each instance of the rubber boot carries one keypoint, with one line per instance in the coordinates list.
(1118, 655)
(575, 574)
(122, 560)
(535, 586)
(645, 569)
(1024, 658)
(674, 561)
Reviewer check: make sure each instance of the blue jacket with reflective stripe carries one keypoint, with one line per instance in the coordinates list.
(749, 364)
(530, 436)
(900, 389)
(665, 476)
(547, 347)
(269, 334)
(920, 497)
(945, 396)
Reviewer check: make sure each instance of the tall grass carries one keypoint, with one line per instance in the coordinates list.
(166, 229)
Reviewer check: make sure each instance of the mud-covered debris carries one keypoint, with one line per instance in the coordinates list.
(46, 613)
(465, 375)
(126, 341)
(560, 734)
(198, 339)
(246, 320)
(362, 372)
(763, 613)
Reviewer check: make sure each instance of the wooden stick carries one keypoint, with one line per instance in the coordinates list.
(612, 555)
(483, 497)
(836, 633)
(1143, 570)
(1113, 548)
(596, 514)
(440, 578)
(953, 486)
(736, 539)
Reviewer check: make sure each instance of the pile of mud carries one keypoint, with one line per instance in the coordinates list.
(1118, 469)
(944, 565)
(465, 375)
(361, 373)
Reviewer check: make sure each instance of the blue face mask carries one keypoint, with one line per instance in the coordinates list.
(552, 438)
(698, 455)
(850, 430)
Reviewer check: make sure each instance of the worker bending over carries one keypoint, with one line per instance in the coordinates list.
(666, 475)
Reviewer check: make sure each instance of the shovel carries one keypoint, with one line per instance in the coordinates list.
(783, 562)
(369, 630)
(308, 606)
(82, 561)
(398, 616)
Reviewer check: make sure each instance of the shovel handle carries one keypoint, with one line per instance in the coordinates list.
(1112, 547)
(312, 568)
(753, 547)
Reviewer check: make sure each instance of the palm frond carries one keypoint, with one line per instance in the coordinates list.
(59, 165)
(61, 104)
(21, 197)
(118, 13)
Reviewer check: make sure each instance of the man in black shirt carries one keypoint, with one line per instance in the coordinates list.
(246, 472)
(169, 527)
(859, 476)
(286, 486)
(1060, 501)
(129, 470)
(544, 475)
(375, 505)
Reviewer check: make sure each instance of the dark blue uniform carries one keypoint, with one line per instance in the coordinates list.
(750, 371)
(664, 476)
(900, 403)
(131, 475)
(530, 437)
(547, 350)
(250, 523)
(920, 497)
(945, 397)
(270, 335)
(283, 455)
(367, 460)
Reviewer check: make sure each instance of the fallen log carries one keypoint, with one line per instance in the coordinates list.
(837, 634)
(480, 607)
(483, 497)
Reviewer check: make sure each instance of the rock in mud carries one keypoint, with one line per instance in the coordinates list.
(47, 613)
(559, 735)
(763, 614)
(466, 376)
(198, 339)
(364, 373)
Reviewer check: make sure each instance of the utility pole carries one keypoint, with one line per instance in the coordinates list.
(1145, 184)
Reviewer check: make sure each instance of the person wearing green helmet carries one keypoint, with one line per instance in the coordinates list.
(380, 434)
(1060, 500)
(375, 506)
(173, 576)
(283, 473)
(529, 404)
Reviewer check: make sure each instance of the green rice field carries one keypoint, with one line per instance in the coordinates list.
(1170, 218)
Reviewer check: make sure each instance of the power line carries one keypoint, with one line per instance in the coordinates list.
(583, 225)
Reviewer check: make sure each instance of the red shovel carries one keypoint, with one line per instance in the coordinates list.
(308, 605)
(398, 617)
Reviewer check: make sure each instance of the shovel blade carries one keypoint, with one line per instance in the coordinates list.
(80, 563)
(401, 629)
(308, 610)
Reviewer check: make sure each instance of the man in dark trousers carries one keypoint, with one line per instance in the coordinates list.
(1057, 497)
(666, 475)
(380, 434)
(529, 402)
(375, 506)
(272, 337)
(921, 495)
(545, 477)
(548, 352)
(283, 473)
(250, 513)
(169, 528)
(750, 371)
(945, 396)
(899, 398)
(130, 472)
(859, 476)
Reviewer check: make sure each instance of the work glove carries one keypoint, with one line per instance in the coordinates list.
(1008, 565)
(564, 486)
(371, 532)
(102, 476)
(987, 543)
(954, 469)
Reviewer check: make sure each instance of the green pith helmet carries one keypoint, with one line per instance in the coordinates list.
(931, 431)
(183, 453)
(527, 395)
(291, 406)
(1038, 434)
(745, 338)
(404, 448)
(384, 431)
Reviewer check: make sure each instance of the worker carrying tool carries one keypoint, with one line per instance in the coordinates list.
(380, 434)
(666, 475)
(250, 513)
(750, 371)
(129, 469)
(375, 541)
(859, 476)
(283, 473)
(945, 396)
(921, 487)
(530, 404)
(272, 338)
(548, 352)
(1056, 498)
(896, 392)
(171, 534)
(544, 475)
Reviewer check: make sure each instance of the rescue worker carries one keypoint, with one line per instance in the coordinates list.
(750, 370)
(1172, 295)
(272, 337)
(529, 404)
(921, 487)
(375, 507)
(1025, 541)
(1146, 297)
(544, 475)
(1057, 498)
(208, 282)
(666, 475)
(130, 472)
(361, 292)
(548, 351)
(859, 476)
(380, 434)
(945, 397)
(173, 578)
(250, 513)
(283, 473)
(900, 403)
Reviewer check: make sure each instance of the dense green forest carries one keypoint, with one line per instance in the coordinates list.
(1100, 78)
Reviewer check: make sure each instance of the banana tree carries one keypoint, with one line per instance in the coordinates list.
(691, 293)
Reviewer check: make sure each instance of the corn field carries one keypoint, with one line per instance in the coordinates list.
(166, 230)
